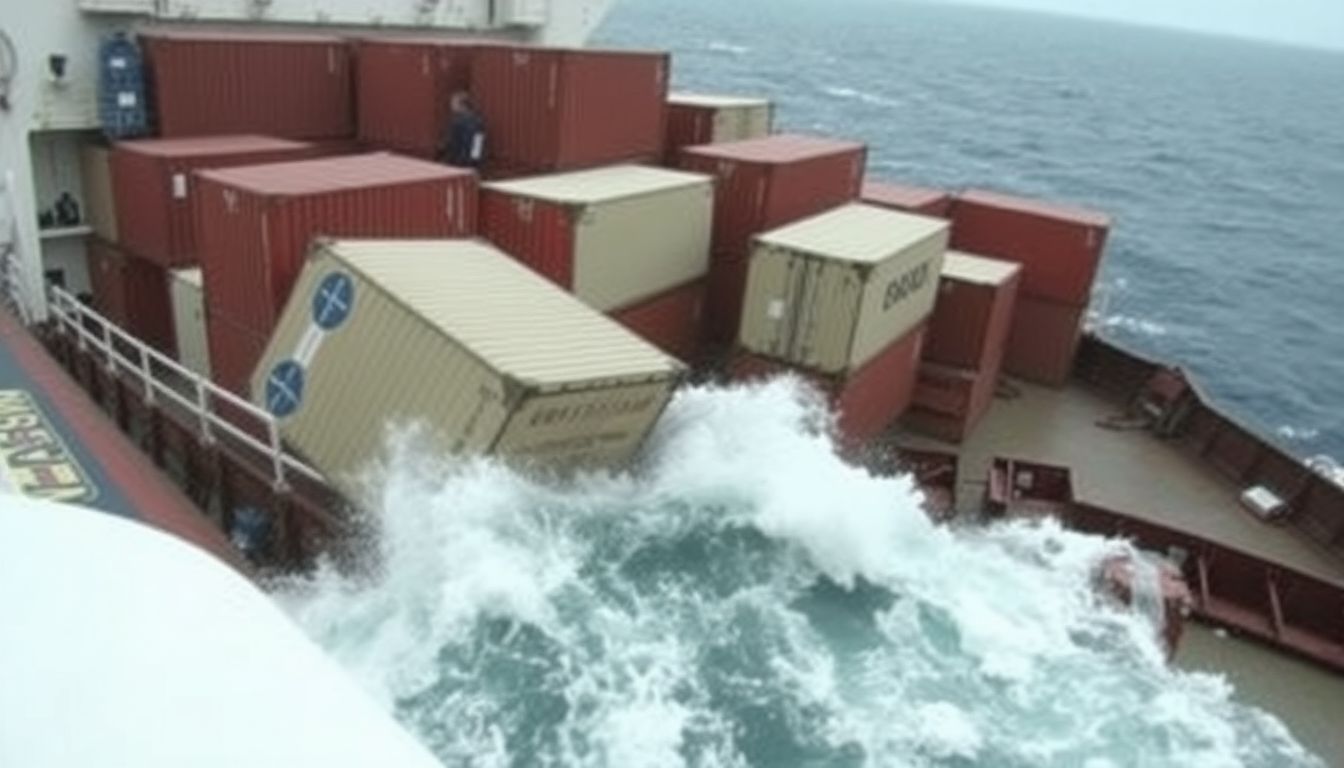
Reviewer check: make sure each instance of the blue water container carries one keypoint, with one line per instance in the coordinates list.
(121, 88)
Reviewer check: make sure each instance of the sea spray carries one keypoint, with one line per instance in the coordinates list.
(745, 597)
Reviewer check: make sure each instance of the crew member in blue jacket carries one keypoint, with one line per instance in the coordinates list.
(464, 141)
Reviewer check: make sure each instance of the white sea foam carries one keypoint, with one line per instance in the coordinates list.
(866, 97)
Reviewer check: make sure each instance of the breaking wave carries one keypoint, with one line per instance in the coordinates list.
(745, 597)
(853, 94)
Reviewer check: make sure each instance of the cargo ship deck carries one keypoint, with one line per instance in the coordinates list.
(57, 444)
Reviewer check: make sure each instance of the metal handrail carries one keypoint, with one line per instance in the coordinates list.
(91, 329)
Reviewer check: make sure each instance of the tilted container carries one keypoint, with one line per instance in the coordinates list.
(829, 292)
(694, 118)
(215, 83)
(189, 328)
(153, 179)
(614, 236)
(403, 89)
(455, 336)
(907, 197)
(1059, 247)
(671, 321)
(131, 292)
(552, 109)
(973, 313)
(256, 222)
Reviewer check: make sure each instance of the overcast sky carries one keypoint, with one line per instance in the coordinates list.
(1318, 23)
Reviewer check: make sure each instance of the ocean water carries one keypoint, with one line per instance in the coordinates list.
(1221, 161)
(746, 598)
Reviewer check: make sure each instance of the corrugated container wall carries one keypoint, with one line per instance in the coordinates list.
(830, 292)
(256, 222)
(974, 312)
(867, 400)
(404, 88)
(131, 292)
(188, 300)
(1058, 247)
(153, 177)
(381, 334)
(99, 201)
(1043, 340)
(551, 110)
(701, 119)
(949, 402)
(905, 197)
(614, 236)
(295, 86)
(671, 321)
(234, 350)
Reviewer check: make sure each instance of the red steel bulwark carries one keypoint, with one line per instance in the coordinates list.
(970, 322)
(1043, 340)
(257, 222)
(870, 398)
(133, 293)
(550, 110)
(670, 321)
(155, 176)
(295, 86)
(904, 197)
(1058, 247)
(404, 88)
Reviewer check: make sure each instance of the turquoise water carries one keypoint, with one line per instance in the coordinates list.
(745, 598)
(1221, 161)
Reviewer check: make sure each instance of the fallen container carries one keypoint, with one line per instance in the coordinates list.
(456, 337)
(1059, 247)
(131, 292)
(830, 292)
(613, 236)
(671, 321)
(256, 222)
(974, 312)
(551, 109)
(403, 90)
(153, 179)
(906, 197)
(214, 83)
(694, 118)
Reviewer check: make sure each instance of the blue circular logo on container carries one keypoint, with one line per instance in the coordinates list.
(284, 388)
(334, 299)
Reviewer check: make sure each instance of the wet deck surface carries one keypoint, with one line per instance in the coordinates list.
(57, 444)
(1128, 471)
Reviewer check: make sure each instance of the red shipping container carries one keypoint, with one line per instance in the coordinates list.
(974, 311)
(949, 402)
(770, 182)
(235, 349)
(869, 399)
(403, 89)
(212, 83)
(133, 293)
(905, 197)
(1059, 247)
(552, 109)
(670, 321)
(727, 285)
(1043, 340)
(256, 222)
(155, 176)
(701, 119)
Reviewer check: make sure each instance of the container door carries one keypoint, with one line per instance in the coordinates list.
(189, 321)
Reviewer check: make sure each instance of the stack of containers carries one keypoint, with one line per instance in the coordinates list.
(694, 118)
(763, 184)
(906, 197)
(208, 83)
(551, 109)
(1060, 250)
(153, 231)
(413, 330)
(631, 241)
(842, 297)
(963, 345)
(256, 223)
(404, 87)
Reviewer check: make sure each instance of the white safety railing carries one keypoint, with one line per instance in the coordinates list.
(159, 376)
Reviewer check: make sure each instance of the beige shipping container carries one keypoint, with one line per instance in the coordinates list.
(830, 292)
(614, 236)
(457, 337)
(188, 300)
(99, 201)
(698, 118)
